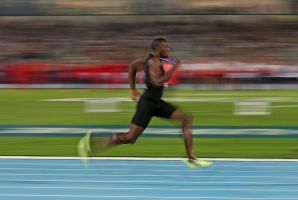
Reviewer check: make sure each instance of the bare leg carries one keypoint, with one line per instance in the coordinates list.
(119, 138)
(186, 123)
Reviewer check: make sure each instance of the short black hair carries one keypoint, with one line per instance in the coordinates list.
(156, 42)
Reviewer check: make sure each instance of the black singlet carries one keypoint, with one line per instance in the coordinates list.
(151, 91)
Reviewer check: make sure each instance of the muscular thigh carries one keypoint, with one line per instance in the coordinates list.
(144, 113)
(164, 109)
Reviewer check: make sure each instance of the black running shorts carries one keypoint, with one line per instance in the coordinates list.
(147, 108)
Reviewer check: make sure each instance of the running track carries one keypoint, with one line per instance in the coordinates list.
(126, 179)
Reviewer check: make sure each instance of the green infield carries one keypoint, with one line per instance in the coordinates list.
(209, 108)
(156, 147)
(272, 108)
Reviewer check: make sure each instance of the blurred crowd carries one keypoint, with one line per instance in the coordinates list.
(147, 7)
(193, 39)
(120, 35)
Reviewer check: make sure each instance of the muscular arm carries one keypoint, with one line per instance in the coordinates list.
(155, 74)
(134, 67)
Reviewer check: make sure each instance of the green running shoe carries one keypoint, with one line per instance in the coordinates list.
(196, 163)
(84, 149)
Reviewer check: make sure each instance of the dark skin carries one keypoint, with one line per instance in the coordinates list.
(157, 79)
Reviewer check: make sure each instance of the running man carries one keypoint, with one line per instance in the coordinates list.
(150, 104)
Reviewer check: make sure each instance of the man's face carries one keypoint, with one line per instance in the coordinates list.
(164, 50)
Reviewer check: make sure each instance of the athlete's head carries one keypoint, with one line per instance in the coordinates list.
(160, 46)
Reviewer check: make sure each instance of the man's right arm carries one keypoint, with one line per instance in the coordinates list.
(134, 67)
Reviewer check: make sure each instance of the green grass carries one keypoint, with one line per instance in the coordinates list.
(25, 107)
(157, 147)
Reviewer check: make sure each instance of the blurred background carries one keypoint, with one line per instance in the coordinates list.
(92, 41)
(235, 55)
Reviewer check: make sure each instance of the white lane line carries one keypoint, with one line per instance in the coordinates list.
(151, 175)
(94, 164)
(145, 181)
(151, 197)
(149, 165)
(147, 170)
(143, 159)
(150, 188)
(269, 131)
